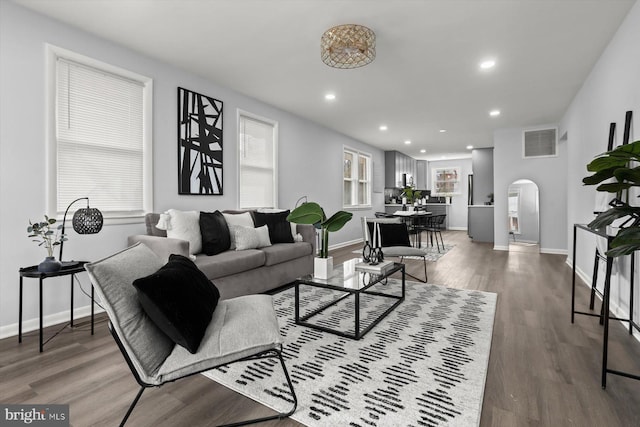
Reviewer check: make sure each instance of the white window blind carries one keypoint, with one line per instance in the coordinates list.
(100, 139)
(257, 141)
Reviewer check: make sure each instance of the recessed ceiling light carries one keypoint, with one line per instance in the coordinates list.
(423, 151)
(494, 113)
(330, 97)
(443, 130)
(407, 142)
(489, 63)
(469, 147)
(383, 127)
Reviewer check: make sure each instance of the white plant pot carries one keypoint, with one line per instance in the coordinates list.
(323, 267)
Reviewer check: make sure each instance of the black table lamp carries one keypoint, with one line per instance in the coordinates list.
(85, 221)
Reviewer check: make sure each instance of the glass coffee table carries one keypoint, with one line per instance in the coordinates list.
(350, 303)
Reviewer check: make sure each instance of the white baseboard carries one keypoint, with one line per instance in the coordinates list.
(554, 251)
(457, 228)
(500, 248)
(49, 320)
(344, 244)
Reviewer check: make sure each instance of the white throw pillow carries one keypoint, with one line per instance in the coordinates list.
(251, 238)
(244, 219)
(184, 225)
(237, 220)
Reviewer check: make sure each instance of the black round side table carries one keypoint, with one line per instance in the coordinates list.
(32, 271)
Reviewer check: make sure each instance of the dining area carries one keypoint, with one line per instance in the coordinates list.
(421, 221)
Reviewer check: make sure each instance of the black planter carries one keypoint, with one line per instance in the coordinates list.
(49, 265)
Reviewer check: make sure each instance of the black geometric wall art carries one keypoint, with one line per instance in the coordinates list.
(199, 144)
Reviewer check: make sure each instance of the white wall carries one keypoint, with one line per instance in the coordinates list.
(310, 156)
(458, 209)
(549, 174)
(612, 88)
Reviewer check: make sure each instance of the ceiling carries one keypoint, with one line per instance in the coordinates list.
(426, 75)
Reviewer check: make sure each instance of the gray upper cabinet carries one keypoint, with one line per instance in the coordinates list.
(396, 164)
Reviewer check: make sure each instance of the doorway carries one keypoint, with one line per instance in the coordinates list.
(523, 214)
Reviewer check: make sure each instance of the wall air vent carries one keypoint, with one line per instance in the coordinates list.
(540, 143)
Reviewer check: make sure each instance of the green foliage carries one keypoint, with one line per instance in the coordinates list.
(411, 194)
(615, 166)
(312, 213)
(44, 234)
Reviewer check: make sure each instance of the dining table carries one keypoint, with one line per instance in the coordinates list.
(414, 216)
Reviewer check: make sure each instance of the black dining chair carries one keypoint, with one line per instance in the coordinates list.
(434, 228)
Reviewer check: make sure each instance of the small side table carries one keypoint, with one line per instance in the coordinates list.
(65, 271)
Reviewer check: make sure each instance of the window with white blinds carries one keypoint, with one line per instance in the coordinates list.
(101, 148)
(356, 179)
(258, 144)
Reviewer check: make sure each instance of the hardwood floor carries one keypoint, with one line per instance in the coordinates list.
(543, 370)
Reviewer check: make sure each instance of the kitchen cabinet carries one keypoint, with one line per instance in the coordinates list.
(396, 164)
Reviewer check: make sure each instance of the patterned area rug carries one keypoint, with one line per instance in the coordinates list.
(432, 252)
(425, 364)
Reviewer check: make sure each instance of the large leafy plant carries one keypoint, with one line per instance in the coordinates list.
(617, 171)
(312, 213)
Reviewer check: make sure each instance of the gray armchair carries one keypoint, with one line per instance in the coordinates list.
(394, 240)
(240, 329)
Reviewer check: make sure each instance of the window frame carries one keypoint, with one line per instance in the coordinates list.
(52, 54)
(275, 132)
(514, 216)
(355, 178)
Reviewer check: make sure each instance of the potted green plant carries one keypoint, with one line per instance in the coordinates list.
(616, 168)
(411, 195)
(312, 213)
(44, 234)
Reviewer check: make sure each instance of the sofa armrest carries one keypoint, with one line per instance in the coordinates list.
(162, 246)
(308, 233)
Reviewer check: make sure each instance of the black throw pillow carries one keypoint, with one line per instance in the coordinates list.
(180, 300)
(391, 234)
(215, 233)
(279, 227)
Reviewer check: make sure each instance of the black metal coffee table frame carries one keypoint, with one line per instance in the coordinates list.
(365, 282)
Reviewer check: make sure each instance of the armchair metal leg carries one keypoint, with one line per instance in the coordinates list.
(279, 415)
(133, 404)
(424, 260)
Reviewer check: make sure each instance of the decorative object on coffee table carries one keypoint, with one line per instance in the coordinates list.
(199, 144)
(85, 221)
(312, 213)
(45, 235)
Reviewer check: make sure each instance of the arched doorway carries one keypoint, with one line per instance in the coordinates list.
(523, 214)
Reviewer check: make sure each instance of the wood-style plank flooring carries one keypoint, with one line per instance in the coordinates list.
(543, 370)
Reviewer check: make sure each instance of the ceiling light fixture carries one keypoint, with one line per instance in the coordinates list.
(494, 113)
(383, 127)
(330, 97)
(348, 46)
(442, 130)
(485, 65)
(407, 142)
(469, 147)
(423, 151)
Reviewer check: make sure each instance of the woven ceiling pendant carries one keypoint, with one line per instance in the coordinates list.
(348, 46)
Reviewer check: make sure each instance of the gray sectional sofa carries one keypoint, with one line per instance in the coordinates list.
(245, 272)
